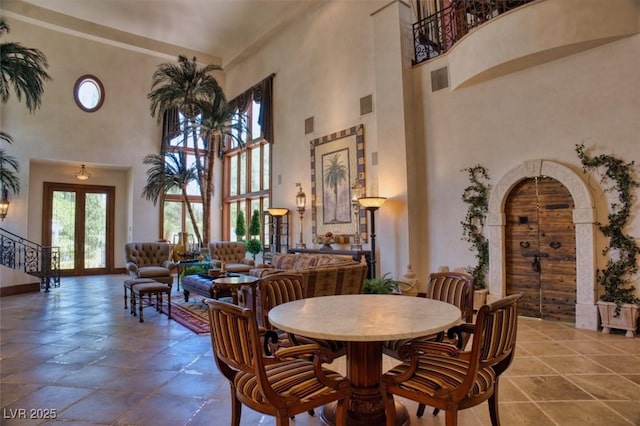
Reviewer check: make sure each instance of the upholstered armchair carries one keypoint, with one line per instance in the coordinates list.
(149, 260)
(232, 253)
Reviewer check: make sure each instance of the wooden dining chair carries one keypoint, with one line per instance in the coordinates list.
(455, 288)
(282, 288)
(281, 385)
(443, 376)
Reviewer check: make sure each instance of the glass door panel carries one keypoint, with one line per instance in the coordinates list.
(63, 230)
(95, 231)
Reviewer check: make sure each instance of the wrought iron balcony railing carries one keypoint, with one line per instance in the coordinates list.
(437, 33)
(31, 258)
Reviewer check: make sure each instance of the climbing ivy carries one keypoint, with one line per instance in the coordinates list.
(476, 195)
(623, 250)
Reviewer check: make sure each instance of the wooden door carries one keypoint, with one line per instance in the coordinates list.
(540, 249)
(79, 220)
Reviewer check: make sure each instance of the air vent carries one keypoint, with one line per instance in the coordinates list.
(308, 125)
(439, 79)
(366, 105)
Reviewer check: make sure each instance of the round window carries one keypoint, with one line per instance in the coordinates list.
(89, 93)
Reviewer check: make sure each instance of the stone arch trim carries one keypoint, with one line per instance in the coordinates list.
(585, 227)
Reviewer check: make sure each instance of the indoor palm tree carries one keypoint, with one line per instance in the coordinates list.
(208, 119)
(24, 69)
(169, 173)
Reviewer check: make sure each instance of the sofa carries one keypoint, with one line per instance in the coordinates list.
(149, 260)
(323, 274)
(232, 253)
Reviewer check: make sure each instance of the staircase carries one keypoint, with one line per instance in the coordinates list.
(31, 258)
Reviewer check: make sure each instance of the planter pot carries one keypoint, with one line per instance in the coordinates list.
(627, 320)
(479, 298)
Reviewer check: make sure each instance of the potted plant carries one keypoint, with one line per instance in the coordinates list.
(619, 306)
(241, 226)
(476, 195)
(381, 285)
(253, 245)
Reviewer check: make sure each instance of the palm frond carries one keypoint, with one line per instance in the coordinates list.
(24, 69)
(6, 137)
(182, 85)
(9, 168)
(167, 172)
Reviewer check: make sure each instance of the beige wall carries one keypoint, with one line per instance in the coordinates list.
(540, 109)
(324, 63)
(52, 143)
(589, 97)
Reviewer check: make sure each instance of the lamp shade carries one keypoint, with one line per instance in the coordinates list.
(371, 202)
(277, 211)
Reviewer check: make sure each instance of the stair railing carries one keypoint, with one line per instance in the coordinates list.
(31, 258)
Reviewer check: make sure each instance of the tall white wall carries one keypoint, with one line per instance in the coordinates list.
(590, 97)
(51, 144)
(324, 62)
(323, 65)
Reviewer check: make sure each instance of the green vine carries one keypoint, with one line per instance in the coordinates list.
(623, 249)
(476, 196)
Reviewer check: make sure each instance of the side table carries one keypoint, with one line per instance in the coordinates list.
(234, 284)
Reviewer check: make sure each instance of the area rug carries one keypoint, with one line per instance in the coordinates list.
(192, 314)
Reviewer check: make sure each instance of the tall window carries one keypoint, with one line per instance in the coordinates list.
(247, 175)
(175, 215)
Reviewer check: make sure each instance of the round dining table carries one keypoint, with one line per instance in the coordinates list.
(364, 322)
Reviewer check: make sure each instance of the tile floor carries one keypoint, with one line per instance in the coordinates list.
(77, 353)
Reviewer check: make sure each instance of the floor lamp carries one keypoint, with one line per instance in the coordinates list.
(371, 204)
(277, 214)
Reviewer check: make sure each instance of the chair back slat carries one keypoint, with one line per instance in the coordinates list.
(233, 335)
(455, 288)
(277, 289)
(498, 325)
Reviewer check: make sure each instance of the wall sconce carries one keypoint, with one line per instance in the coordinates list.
(83, 174)
(4, 203)
(372, 204)
(301, 201)
(356, 192)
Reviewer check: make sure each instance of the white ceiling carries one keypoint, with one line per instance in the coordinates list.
(219, 28)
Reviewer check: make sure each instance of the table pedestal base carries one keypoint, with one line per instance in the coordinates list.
(328, 415)
(364, 367)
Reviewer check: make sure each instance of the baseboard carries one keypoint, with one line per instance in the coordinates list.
(19, 289)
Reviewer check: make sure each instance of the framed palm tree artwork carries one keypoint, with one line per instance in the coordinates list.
(337, 167)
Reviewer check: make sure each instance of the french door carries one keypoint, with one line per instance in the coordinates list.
(79, 220)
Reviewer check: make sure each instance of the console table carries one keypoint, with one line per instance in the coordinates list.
(355, 254)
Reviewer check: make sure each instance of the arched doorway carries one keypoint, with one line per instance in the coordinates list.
(540, 248)
(583, 219)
